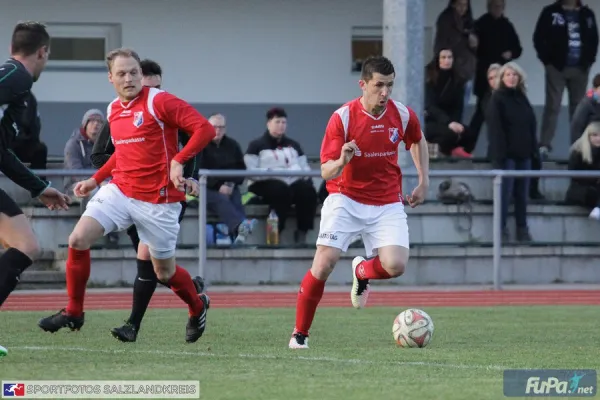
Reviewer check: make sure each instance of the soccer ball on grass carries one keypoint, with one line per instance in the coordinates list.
(413, 328)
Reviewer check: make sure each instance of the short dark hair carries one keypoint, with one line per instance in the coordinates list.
(150, 68)
(28, 37)
(276, 112)
(376, 65)
(596, 81)
(122, 52)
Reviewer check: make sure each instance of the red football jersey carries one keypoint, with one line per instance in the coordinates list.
(373, 176)
(144, 133)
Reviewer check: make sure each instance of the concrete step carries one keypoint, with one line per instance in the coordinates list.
(429, 223)
(429, 265)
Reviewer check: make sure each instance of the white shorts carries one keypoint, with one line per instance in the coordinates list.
(157, 224)
(342, 219)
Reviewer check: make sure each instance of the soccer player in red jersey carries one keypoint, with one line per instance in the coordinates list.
(359, 161)
(146, 189)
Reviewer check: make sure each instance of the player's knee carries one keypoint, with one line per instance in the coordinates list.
(31, 248)
(325, 260)
(394, 266)
(78, 240)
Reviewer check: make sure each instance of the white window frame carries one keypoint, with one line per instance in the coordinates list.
(111, 33)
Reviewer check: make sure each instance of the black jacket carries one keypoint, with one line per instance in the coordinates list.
(511, 126)
(444, 99)
(588, 110)
(584, 191)
(104, 148)
(225, 155)
(15, 87)
(551, 38)
(496, 36)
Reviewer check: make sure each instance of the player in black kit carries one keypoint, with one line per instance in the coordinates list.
(146, 281)
(29, 54)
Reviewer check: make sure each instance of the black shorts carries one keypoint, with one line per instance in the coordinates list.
(8, 205)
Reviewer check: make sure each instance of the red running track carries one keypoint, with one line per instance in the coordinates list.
(116, 301)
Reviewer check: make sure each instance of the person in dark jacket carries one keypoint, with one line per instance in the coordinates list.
(444, 92)
(585, 156)
(566, 42)
(498, 44)
(276, 151)
(455, 30)
(588, 110)
(513, 141)
(223, 196)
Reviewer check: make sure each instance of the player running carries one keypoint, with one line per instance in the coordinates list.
(146, 280)
(146, 189)
(29, 53)
(359, 161)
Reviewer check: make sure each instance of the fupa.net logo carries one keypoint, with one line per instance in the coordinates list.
(555, 386)
(550, 382)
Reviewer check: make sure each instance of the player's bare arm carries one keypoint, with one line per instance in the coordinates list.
(420, 156)
(333, 168)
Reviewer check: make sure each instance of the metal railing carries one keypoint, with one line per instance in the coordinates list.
(496, 175)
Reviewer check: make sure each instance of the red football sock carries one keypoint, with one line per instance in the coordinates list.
(182, 285)
(371, 269)
(78, 273)
(309, 296)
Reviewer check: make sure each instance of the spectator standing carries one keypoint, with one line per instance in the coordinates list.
(588, 110)
(455, 30)
(444, 92)
(223, 196)
(274, 150)
(498, 44)
(566, 42)
(513, 141)
(585, 156)
(27, 145)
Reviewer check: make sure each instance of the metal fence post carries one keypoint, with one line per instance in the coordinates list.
(497, 227)
(202, 227)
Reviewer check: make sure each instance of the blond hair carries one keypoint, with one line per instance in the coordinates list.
(121, 52)
(518, 70)
(583, 144)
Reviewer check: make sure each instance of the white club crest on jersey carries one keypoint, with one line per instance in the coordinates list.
(138, 118)
(394, 135)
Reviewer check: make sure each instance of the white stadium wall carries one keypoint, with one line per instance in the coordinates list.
(238, 51)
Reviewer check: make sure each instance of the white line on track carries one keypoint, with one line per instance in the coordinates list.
(263, 357)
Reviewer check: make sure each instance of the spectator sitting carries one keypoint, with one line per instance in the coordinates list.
(455, 30)
(27, 145)
(585, 156)
(513, 141)
(223, 196)
(79, 146)
(275, 151)
(588, 110)
(498, 44)
(444, 91)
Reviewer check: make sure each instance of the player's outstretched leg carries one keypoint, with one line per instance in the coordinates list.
(310, 294)
(390, 263)
(21, 246)
(181, 283)
(86, 232)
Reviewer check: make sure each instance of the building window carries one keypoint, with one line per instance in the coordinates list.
(367, 41)
(81, 46)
